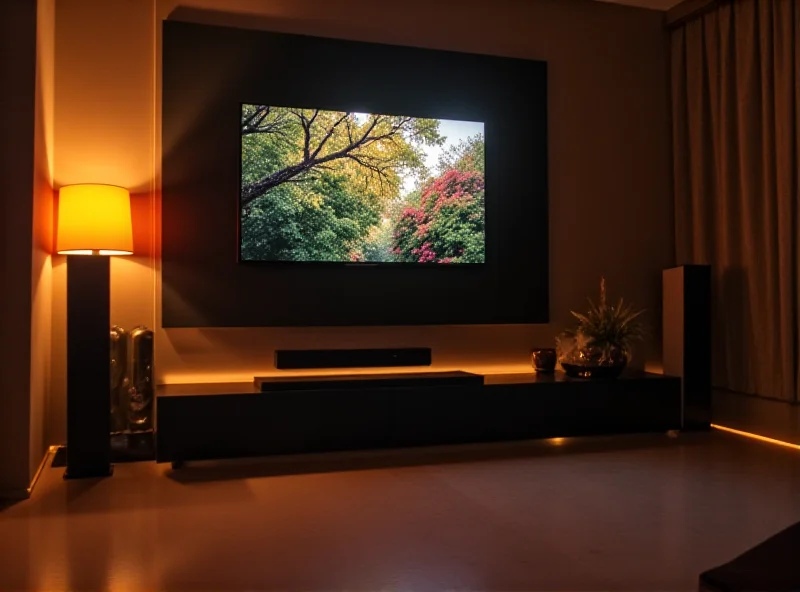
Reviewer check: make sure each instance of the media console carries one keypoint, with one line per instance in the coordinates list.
(290, 415)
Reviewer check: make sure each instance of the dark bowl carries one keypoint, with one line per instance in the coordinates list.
(593, 372)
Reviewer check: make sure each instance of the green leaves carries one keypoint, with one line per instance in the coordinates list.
(608, 325)
(325, 186)
(468, 155)
(322, 221)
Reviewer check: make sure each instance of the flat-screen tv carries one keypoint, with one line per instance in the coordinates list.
(334, 187)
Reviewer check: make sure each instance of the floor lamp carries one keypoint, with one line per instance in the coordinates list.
(94, 223)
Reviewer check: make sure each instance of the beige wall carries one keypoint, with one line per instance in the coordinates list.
(610, 204)
(42, 233)
(104, 132)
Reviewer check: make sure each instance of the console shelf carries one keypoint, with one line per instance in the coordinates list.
(289, 415)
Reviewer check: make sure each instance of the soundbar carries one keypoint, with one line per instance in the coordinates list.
(306, 359)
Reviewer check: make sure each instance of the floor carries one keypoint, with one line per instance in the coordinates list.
(630, 513)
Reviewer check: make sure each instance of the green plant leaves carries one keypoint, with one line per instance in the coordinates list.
(608, 325)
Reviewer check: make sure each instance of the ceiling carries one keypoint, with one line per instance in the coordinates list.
(655, 4)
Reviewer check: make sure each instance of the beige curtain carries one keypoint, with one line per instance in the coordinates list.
(736, 101)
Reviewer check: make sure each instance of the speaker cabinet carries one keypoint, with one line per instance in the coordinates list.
(687, 339)
(352, 358)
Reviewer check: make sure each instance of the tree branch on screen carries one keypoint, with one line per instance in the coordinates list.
(257, 122)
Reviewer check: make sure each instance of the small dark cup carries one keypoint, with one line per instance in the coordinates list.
(543, 360)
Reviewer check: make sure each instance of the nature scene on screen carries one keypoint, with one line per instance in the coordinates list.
(328, 186)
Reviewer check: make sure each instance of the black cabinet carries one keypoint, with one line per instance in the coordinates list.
(560, 407)
(311, 414)
(431, 416)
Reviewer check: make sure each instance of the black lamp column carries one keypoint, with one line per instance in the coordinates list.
(88, 367)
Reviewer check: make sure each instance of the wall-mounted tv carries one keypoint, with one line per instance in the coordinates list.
(332, 187)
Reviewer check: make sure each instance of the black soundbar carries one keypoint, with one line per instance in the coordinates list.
(306, 359)
(366, 381)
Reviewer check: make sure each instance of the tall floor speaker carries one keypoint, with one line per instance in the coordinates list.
(687, 339)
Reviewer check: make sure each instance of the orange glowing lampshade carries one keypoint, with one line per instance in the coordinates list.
(94, 219)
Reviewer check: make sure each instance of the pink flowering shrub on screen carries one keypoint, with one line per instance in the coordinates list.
(448, 224)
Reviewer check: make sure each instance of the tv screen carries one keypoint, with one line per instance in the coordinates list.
(360, 188)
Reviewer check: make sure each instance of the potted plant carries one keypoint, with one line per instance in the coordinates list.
(601, 345)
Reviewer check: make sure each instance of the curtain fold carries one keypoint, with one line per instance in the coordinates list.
(736, 99)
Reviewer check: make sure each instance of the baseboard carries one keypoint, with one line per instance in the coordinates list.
(48, 453)
(772, 418)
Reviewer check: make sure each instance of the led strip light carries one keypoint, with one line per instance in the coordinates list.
(756, 437)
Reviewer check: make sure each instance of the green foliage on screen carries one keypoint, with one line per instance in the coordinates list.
(329, 186)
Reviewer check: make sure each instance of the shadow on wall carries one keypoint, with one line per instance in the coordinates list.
(193, 113)
(353, 29)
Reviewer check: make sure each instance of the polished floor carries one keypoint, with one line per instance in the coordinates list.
(631, 513)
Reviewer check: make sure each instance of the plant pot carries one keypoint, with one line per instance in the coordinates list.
(607, 371)
(543, 360)
(580, 360)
